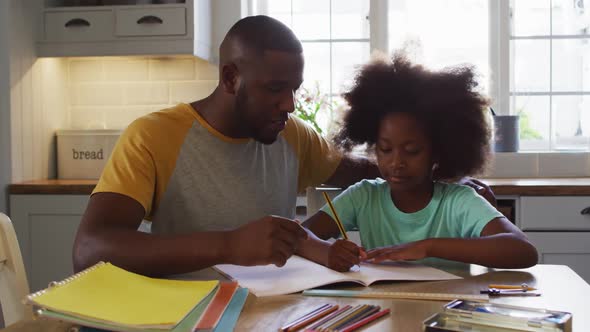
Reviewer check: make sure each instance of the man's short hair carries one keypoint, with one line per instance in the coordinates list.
(262, 33)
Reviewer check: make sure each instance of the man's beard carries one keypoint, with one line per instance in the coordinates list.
(241, 109)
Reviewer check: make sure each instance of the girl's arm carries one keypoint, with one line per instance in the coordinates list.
(501, 245)
(340, 255)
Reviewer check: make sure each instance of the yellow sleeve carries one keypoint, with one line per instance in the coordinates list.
(318, 159)
(145, 156)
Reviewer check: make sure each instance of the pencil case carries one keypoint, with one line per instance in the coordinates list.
(461, 315)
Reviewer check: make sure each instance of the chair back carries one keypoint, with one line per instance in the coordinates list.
(13, 279)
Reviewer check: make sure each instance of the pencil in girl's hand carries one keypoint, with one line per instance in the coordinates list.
(338, 222)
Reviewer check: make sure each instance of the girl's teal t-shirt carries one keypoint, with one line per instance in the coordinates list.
(455, 211)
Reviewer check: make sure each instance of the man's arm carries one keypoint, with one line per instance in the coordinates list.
(351, 170)
(108, 232)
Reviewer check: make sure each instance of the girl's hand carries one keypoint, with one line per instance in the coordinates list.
(403, 252)
(344, 254)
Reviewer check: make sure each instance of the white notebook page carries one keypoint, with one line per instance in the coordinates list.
(300, 274)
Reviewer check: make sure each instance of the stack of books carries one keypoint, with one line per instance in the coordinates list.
(109, 298)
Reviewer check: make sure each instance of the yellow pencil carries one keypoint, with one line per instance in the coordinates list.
(338, 222)
(523, 287)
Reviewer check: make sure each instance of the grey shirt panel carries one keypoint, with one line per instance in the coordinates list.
(219, 185)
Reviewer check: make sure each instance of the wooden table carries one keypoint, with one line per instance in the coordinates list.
(562, 289)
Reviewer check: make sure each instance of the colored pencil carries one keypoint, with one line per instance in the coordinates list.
(345, 318)
(523, 287)
(355, 317)
(338, 222)
(365, 321)
(336, 318)
(327, 318)
(313, 318)
(297, 320)
(366, 313)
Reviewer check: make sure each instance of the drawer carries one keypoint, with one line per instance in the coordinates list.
(150, 22)
(79, 26)
(554, 213)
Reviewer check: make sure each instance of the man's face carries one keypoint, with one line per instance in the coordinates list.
(266, 94)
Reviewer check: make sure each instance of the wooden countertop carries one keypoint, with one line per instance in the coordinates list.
(532, 187)
(541, 186)
(53, 187)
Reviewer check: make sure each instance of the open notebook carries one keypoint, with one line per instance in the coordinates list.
(300, 274)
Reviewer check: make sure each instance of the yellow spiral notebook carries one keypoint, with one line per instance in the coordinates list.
(107, 294)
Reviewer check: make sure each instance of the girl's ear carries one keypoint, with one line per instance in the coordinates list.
(434, 170)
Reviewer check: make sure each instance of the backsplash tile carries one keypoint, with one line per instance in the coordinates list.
(111, 92)
(85, 71)
(146, 93)
(563, 164)
(512, 165)
(96, 94)
(172, 69)
(185, 92)
(126, 70)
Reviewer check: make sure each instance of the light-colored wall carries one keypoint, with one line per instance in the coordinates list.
(5, 163)
(110, 92)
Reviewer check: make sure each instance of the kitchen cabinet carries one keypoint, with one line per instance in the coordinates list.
(46, 226)
(564, 248)
(559, 226)
(193, 27)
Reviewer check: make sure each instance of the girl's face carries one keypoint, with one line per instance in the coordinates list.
(404, 152)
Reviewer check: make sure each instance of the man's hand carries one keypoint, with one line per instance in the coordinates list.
(481, 188)
(343, 255)
(404, 252)
(270, 240)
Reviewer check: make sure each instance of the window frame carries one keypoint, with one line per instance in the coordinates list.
(500, 53)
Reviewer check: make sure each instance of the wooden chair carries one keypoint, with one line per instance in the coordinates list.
(13, 279)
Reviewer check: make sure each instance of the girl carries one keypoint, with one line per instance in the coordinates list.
(427, 129)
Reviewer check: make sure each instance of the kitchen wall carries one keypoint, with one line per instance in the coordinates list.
(110, 92)
(48, 94)
(542, 164)
(5, 165)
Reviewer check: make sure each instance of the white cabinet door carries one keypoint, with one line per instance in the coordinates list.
(46, 226)
(564, 248)
(563, 213)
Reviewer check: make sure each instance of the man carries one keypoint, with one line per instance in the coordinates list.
(217, 178)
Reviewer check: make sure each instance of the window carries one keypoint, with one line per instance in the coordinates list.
(335, 38)
(550, 73)
(532, 56)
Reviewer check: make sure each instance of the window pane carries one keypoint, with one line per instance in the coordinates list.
(571, 65)
(442, 33)
(311, 19)
(530, 65)
(317, 66)
(534, 121)
(279, 9)
(347, 57)
(530, 17)
(349, 19)
(570, 17)
(571, 122)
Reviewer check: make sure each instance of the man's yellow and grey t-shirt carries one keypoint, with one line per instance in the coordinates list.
(190, 177)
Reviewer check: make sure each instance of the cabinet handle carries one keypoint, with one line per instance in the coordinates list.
(77, 22)
(585, 211)
(150, 19)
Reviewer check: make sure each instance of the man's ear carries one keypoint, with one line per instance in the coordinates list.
(230, 78)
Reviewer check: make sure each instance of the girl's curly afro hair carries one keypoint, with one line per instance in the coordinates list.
(445, 102)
